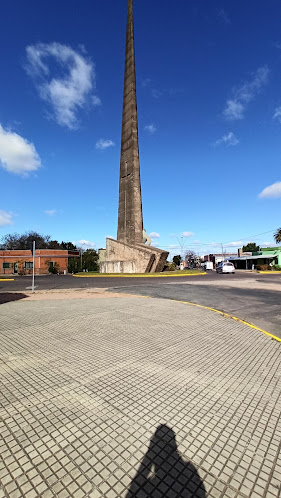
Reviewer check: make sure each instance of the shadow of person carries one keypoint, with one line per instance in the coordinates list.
(163, 472)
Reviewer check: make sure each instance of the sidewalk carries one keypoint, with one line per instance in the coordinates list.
(133, 397)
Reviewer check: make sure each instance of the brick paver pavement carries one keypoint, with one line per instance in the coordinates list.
(136, 397)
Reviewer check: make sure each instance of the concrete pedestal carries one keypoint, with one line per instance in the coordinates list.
(127, 258)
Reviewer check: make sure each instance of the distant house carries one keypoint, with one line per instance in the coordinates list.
(217, 258)
(266, 256)
(21, 262)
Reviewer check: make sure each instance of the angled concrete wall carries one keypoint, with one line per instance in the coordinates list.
(136, 258)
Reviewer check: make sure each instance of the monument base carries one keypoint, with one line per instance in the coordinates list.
(126, 258)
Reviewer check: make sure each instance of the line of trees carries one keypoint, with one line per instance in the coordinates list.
(16, 241)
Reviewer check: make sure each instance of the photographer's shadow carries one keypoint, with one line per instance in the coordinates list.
(163, 472)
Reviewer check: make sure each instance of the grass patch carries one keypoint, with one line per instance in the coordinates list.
(177, 273)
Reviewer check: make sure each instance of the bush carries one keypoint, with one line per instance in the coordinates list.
(264, 267)
(55, 268)
(170, 267)
(74, 265)
(276, 267)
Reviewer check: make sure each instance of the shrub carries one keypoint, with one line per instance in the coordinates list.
(170, 267)
(264, 267)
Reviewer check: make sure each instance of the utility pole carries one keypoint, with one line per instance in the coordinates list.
(222, 252)
(33, 266)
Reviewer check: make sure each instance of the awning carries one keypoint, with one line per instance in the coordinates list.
(261, 256)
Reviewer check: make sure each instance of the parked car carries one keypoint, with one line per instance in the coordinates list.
(225, 267)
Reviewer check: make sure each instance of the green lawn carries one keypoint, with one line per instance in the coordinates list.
(177, 273)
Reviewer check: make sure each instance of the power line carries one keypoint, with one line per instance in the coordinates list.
(218, 244)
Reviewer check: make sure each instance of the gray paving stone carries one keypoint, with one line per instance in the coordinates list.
(135, 397)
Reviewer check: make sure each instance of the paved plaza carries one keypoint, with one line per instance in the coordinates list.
(123, 396)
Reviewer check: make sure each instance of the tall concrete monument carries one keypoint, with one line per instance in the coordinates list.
(129, 254)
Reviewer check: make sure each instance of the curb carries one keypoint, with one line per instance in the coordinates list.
(271, 272)
(135, 275)
(7, 279)
(227, 315)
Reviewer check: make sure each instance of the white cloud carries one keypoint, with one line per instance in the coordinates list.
(145, 82)
(234, 110)
(50, 212)
(245, 93)
(236, 243)
(67, 91)
(5, 218)
(277, 114)
(223, 16)
(187, 234)
(17, 155)
(104, 144)
(228, 139)
(156, 94)
(272, 191)
(87, 243)
(154, 235)
(96, 101)
(150, 128)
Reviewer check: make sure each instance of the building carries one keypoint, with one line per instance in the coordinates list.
(217, 258)
(21, 262)
(266, 256)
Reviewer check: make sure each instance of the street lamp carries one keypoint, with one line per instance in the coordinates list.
(181, 243)
(81, 255)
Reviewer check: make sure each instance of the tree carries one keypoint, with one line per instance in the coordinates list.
(277, 236)
(177, 259)
(74, 265)
(90, 260)
(54, 244)
(68, 246)
(190, 258)
(251, 247)
(16, 241)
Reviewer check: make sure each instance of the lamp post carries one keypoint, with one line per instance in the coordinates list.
(181, 243)
(81, 255)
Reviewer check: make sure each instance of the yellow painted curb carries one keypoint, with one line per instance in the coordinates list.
(7, 279)
(134, 275)
(271, 272)
(230, 316)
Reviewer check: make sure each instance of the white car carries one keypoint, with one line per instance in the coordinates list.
(225, 267)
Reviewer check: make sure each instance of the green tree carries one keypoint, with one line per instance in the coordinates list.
(68, 246)
(251, 247)
(16, 241)
(54, 244)
(74, 265)
(277, 236)
(177, 259)
(90, 260)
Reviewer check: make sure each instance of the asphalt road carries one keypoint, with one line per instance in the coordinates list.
(252, 297)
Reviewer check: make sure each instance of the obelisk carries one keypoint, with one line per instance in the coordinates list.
(130, 221)
(129, 254)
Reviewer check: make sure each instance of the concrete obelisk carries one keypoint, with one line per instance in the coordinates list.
(128, 254)
(130, 222)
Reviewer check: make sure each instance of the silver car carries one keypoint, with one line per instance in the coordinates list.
(225, 267)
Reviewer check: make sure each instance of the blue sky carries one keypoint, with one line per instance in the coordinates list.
(209, 103)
